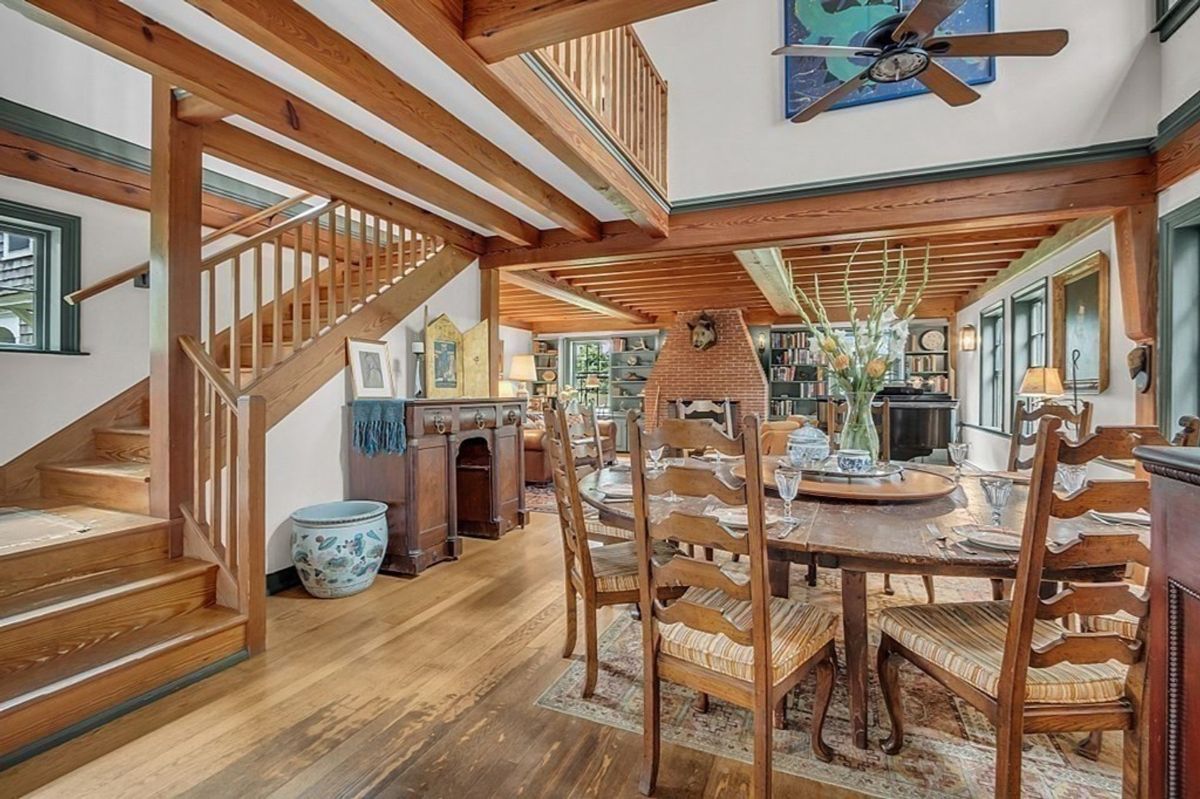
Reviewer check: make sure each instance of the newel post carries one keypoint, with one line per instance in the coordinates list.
(251, 524)
(175, 215)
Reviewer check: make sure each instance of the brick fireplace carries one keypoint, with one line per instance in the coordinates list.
(728, 370)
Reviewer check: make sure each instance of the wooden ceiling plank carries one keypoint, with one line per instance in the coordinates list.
(519, 93)
(560, 290)
(771, 274)
(1047, 194)
(499, 29)
(121, 32)
(289, 31)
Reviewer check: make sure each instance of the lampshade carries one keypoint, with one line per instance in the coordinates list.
(507, 388)
(969, 339)
(592, 381)
(1042, 381)
(523, 368)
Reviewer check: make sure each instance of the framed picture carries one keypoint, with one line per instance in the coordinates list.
(443, 359)
(1080, 303)
(370, 369)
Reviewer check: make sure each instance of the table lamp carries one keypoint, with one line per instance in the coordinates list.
(1042, 382)
(523, 371)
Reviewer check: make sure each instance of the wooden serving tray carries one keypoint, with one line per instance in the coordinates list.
(911, 485)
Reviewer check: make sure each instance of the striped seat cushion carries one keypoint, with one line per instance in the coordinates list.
(615, 566)
(599, 528)
(1121, 623)
(798, 631)
(967, 640)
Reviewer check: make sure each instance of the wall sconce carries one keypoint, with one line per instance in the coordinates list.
(762, 343)
(969, 339)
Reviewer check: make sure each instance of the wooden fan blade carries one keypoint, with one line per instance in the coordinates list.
(925, 17)
(825, 51)
(840, 93)
(1047, 42)
(945, 84)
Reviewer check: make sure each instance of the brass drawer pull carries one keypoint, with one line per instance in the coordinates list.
(439, 423)
(480, 422)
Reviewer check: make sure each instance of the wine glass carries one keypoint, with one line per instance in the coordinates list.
(1071, 476)
(656, 455)
(787, 480)
(958, 451)
(997, 490)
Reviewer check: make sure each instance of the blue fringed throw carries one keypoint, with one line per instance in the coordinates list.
(378, 426)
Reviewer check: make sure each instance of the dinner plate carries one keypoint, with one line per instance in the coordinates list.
(990, 537)
(617, 491)
(1139, 518)
(736, 517)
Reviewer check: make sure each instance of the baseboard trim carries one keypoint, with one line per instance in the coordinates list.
(41, 745)
(282, 580)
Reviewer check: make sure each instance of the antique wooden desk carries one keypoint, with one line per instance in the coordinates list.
(463, 472)
(859, 538)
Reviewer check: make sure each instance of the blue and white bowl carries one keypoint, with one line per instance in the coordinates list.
(338, 546)
(854, 461)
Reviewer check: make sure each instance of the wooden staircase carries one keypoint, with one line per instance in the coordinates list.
(95, 610)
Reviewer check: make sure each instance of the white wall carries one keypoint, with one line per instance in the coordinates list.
(728, 133)
(39, 394)
(514, 341)
(307, 450)
(1114, 407)
(1180, 66)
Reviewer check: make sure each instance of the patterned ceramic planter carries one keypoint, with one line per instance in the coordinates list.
(337, 546)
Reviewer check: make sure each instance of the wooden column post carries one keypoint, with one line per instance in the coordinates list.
(251, 515)
(1136, 228)
(489, 309)
(175, 209)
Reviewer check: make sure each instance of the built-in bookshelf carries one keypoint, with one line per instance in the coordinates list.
(546, 359)
(927, 355)
(629, 364)
(794, 373)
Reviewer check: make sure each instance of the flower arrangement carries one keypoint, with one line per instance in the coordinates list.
(857, 359)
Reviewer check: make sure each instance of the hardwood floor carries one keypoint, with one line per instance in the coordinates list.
(421, 687)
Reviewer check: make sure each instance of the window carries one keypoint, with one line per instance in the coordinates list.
(992, 405)
(39, 264)
(1028, 330)
(589, 371)
(1179, 316)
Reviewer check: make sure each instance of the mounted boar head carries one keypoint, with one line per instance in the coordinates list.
(704, 332)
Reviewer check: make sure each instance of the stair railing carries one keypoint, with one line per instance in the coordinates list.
(226, 517)
(612, 77)
(134, 272)
(290, 284)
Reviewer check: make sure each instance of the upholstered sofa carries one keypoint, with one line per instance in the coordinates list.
(537, 460)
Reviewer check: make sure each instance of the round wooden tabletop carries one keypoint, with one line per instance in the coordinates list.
(910, 485)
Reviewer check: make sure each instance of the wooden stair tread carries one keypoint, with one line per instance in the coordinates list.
(63, 597)
(30, 685)
(24, 528)
(119, 470)
(132, 430)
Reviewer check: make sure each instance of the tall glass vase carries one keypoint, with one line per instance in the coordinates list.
(858, 431)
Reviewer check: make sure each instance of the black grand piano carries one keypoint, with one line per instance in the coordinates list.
(922, 421)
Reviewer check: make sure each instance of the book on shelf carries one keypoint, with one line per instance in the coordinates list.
(805, 390)
(790, 341)
(925, 363)
(792, 407)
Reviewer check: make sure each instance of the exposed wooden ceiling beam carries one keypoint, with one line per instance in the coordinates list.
(256, 153)
(526, 99)
(1050, 194)
(767, 269)
(565, 292)
(123, 33)
(284, 28)
(498, 29)
(196, 110)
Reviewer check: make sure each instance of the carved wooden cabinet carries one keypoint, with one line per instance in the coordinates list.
(1174, 655)
(461, 474)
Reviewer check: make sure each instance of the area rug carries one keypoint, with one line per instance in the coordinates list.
(949, 746)
(540, 498)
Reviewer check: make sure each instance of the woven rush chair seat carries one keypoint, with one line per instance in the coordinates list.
(598, 528)
(967, 640)
(798, 631)
(615, 566)
(1121, 623)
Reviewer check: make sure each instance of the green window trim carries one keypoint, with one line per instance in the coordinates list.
(1172, 15)
(45, 225)
(992, 326)
(1184, 220)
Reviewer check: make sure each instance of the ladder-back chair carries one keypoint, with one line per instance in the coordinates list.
(1080, 422)
(726, 636)
(600, 576)
(719, 412)
(1015, 661)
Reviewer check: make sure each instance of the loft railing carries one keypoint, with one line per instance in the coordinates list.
(226, 516)
(613, 78)
(134, 272)
(288, 285)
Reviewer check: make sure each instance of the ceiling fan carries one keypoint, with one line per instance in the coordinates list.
(903, 46)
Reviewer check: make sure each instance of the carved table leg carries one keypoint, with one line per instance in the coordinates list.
(854, 626)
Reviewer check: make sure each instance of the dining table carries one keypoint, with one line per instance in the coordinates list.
(863, 537)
